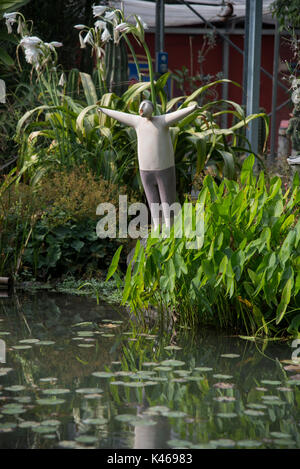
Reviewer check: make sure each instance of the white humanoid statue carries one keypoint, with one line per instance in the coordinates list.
(155, 154)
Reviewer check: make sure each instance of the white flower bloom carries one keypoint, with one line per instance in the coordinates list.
(98, 10)
(55, 44)
(82, 43)
(100, 25)
(122, 27)
(10, 19)
(32, 49)
(20, 26)
(105, 36)
(145, 26)
(79, 26)
(99, 52)
(110, 15)
(88, 39)
(62, 80)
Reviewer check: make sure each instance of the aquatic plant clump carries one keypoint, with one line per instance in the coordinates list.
(245, 272)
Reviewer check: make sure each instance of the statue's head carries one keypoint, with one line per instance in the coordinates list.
(146, 109)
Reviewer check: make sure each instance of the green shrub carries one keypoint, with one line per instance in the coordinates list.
(246, 270)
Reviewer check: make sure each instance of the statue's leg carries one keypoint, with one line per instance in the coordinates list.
(166, 180)
(152, 194)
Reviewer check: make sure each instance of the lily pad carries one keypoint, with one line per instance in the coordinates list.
(7, 426)
(50, 379)
(272, 383)
(29, 424)
(15, 388)
(86, 439)
(174, 414)
(223, 443)
(55, 391)
(95, 421)
(256, 406)
(85, 333)
(163, 368)
(150, 363)
(203, 368)
(253, 412)
(280, 435)
(102, 374)
(249, 443)
(29, 341)
(44, 429)
(5, 371)
(220, 376)
(89, 390)
(230, 355)
(181, 443)
(45, 342)
(227, 415)
(172, 363)
(67, 444)
(50, 401)
(21, 347)
(92, 396)
(86, 345)
(51, 423)
(125, 417)
(284, 442)
(13, 410)
(172, 347)
(270, 398)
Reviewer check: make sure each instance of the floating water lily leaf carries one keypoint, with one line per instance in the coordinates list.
(258, 388)
(227, 415)
(92, 396)
(135, 384)
(224, 399)
(163, 368)
(50, 401)
(117, 383)
(219, 376)
(253, 412)
(194, 378)
(13, 410)
(124, 373)
(55, 391)
(256, 406)
(4, 333)
(95, 421)
(45, 342)
(21, 347)
(203, 368)
(107, 335)
(29, 424)
(23, 399)
(174, 414)
(86, 439)
(51, 422)
(203, 446)
(89, 390)
(150, 383)
(284, 442)
(224, 385)
(29, 341)
(284, 389)
(157, 409)
(85, 333)
(249, 443)
(223, 443)
(44, 429)
(67, 444)
(182, 443)
(150, 363)
(295, 382)
(172, 347)
(270, 398)
(272, 383)
(102, 374)
(48, 380)
(7, 426)
(230, 355)
(280, 435)
(15, 388)
(5, 371)
(82, 324)
(86, 345)
(182, 372)
(125, 417)
(172, 363)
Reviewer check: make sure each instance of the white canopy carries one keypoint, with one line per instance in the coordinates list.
(181, 15)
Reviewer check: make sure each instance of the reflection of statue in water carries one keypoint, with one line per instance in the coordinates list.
(155, 154)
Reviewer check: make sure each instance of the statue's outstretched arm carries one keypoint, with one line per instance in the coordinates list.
(123, 117)
(176, 116)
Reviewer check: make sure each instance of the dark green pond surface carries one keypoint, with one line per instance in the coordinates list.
(74, 374)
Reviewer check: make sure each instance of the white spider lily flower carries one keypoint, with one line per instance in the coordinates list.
(53, 44)
(79, 26)
(98, 10)
(110, 15)
(105, 36)
(62, 80)
(32, 49)
(100, 25)
(122, 27)
(21, 26)
(89, 39)
(82, 43)
(99, 52)
(10, 19)
(144, 25)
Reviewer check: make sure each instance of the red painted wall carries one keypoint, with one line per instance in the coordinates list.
(182, 50)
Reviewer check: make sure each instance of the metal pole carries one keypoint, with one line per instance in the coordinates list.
(159, 25)
(245, 62)
(253, 81)
(274, 90)
(225, 67)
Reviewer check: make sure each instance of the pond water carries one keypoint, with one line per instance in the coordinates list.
(74, 374)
